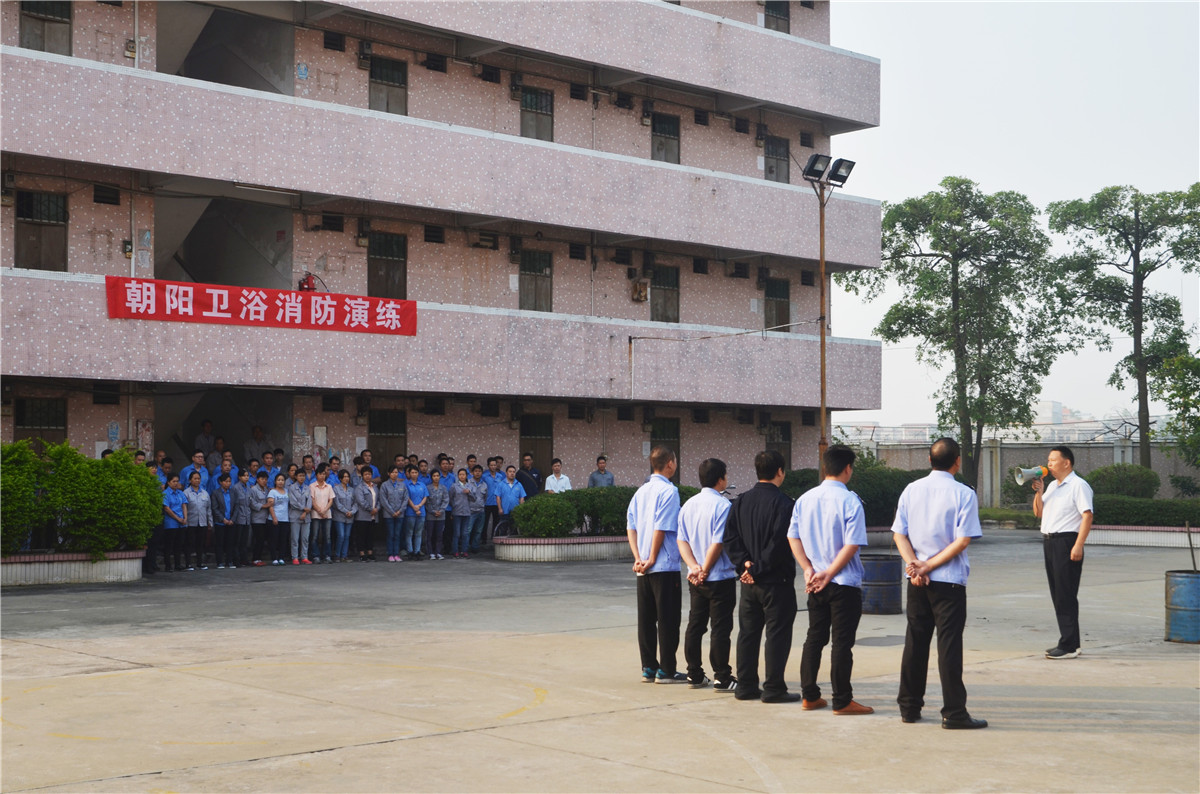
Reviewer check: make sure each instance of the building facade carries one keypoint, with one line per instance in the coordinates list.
(596, 209)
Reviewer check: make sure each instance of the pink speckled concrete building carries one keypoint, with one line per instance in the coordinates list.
(595, 206)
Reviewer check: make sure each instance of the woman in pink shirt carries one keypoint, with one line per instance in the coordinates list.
(322, 515)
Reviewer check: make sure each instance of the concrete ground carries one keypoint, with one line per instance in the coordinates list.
(485, 676)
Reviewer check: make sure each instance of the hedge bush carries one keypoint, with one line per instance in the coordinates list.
(78, 504)
(879, 488)
(546, 515)
(1124, 479)
(1128, 510)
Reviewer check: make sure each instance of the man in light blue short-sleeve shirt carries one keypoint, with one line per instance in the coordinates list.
(712, 583)
(827, 529)
(652, 523)
(935, 521)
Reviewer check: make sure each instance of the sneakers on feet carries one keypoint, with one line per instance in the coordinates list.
(1059, 653)
(221, 567)
(674, 678)
(726, 686)
(647, 675)
(701, 684)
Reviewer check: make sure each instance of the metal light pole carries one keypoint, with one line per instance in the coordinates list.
(824, 178)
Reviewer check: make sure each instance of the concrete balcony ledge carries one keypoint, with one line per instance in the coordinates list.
(669, 43)
(176, 125)
(555, 356)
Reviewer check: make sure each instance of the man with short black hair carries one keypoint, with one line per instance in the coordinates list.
(827, 529)
(601, 477)
(197, 464)
(529, 477)
(652, 524)
(205, 440)
(756, 541)
(936, 518)
(557, 482)
(712, 583)
(1065, 507)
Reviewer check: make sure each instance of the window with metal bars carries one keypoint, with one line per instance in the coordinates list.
(623, 256)
(806, 140)
(699, 265)
(777, 16)
(387, 432)
(808, 418)
(576, 411)
(40, 231)
(742, 126)
(387, 265)
(664, 294)
(537, 113)
(40, 413)
(46, 27)
(106, 194)
(106, 392)
(779, 438)
(776, 155)
(808, 278)
(434, 62)
(435, 234)
(333, 223)
(389, 86)
(664, 138)
(335, 41)
(536, 285)
(489, 74)
(700, 117)
(333, 403)
(577, 251)
(579, 91)
(777, 307)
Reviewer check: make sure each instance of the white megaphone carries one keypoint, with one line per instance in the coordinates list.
(1036, 473)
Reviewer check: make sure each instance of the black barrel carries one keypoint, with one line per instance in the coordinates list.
(883, 574)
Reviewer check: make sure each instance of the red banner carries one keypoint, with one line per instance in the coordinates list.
(185, 302)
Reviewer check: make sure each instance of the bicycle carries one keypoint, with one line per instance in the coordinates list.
(505, 528)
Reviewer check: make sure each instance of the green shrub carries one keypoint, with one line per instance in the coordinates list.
(797, 481)
(1124, 479)
(1128, 510)
(546, 515)
(880, 490)
(22, 476)
(1184, 485)
(91, 506)
(1013, 494)
(687, 492)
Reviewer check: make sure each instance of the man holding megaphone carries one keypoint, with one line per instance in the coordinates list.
(1065, 507)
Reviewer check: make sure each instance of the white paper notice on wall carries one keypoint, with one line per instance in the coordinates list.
(762, 163)
(320, 436)
(645, 449)
(514, 282)
(762, 19)
(100, 447)
(754, 305)
(143, 258)
(360, 443)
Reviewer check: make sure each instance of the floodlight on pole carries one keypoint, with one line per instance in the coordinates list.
(824, 178)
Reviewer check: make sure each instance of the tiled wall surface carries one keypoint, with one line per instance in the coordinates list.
(87, 424)
(454, 351)
(234, 135)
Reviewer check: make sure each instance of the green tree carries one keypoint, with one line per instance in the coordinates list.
(1136, 234)
(979, 298)
(1177, 383)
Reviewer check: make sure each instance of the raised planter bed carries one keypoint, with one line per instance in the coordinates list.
(577, 548)
(29, 569)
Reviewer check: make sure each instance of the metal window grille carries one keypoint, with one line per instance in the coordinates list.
(489, 74)
(333, 223)
(535, 263)
(106, 393)
(623, 256)
(388, 422)
(434, 62)
(806, 140)
(701, 117)
(106, 194)
(576, 411)
(40, 413)
(742, 126)
(808, 278)
(333, 403)
(808, 418)
(41, 207)
(489, 407)
(665, 277)
(59, 12)
(335, 41)
(699, 265)
(624, 413)
(381, 245)
(537, 100)
(665, 126)
(577, 251)
(579, 91)
(776, 159)
(389, 72)
(777, 16)
(435, 234)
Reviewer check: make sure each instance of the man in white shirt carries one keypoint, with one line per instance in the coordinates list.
(828, 527)
(712, 581)
(936, 518)
(1065, 507)
(557, 482)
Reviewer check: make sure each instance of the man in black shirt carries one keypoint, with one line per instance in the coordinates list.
(529, 477)
(757, 544)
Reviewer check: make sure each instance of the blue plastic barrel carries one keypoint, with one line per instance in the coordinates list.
(1183, 606)
(883, 575)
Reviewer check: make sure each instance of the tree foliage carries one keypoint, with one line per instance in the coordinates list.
(1177, 383)
(1122, 237)
(980, 300)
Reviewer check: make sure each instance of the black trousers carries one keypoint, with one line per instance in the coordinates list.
(198, 543)
(659, 603)
(362, 535)
(174, 552)
(835, 610)
(710, 602)
(260, 535)
(943, 606)
(769, 608)
(491, 518)
(153, 546)
(1064, 574)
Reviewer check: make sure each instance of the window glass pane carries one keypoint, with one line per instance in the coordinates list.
(537, 100)
(662, 124)
(41, 207)
(535, 262)
(385, 70)
(50, 10)
(667, 277)
(778, 288)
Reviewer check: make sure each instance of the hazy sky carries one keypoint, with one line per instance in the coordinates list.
(1055, 100)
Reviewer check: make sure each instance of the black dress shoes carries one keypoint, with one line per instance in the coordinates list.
(962, 723)
(784, 697)
(747, 694)
(915, 717)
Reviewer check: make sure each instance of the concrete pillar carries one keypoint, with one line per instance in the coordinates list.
(990, 473)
